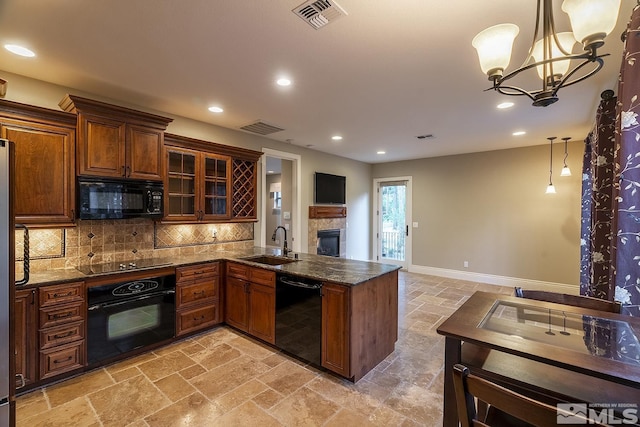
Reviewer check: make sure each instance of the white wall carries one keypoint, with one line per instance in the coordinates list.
(491, 210)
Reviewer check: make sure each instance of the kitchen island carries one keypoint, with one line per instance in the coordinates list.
(359, 301)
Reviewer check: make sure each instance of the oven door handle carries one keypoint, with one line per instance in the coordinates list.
(300, 284)
(129, 301)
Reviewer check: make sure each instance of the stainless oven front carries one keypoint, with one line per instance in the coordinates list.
(126, 316)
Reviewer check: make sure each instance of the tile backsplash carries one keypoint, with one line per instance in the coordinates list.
(119, 240)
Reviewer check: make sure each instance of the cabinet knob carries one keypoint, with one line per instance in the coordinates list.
(68, 334)
(63, 360)
(62, 315)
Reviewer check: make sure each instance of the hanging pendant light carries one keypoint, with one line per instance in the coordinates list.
(550, 54)
(551, 189)
(565, 169)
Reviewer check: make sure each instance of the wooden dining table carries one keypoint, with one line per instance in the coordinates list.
(553, 352)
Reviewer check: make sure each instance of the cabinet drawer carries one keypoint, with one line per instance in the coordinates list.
(263, 277)
(61, 294)
(197, 318)
(58, 335)
(56, 315)
(197, 272)
(238, 270)
(62, 359)
(197, 292)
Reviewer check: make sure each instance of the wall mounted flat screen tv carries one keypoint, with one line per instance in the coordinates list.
(329, 189)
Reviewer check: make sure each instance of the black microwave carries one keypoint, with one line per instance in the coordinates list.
(100, 198)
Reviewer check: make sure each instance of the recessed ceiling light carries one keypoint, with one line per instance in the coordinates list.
(283, 81)
(270, 171)
(504, 105)
(216, 109)
(519, 133)
(336, 137)
(381, 152)
(19, 50)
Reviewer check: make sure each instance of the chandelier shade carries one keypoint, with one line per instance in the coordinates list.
(591, 20)
(551, 53)
(494, 46)
(556, 68)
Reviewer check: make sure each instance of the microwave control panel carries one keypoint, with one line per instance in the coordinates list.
(155, 202)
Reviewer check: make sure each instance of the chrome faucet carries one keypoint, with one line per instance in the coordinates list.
(285, 249)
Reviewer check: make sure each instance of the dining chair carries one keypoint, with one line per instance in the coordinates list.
(574, 300)
(505, 407)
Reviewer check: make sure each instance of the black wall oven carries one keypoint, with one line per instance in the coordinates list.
(127, 316)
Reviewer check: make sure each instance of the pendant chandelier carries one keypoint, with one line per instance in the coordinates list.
(551, 54)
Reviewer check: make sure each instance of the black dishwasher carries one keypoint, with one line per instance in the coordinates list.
(299, 317)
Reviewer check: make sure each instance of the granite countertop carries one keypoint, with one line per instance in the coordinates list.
(337, 270)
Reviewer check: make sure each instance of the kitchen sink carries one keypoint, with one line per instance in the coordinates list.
(269, 259)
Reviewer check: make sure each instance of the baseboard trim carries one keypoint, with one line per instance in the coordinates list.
(496, 280)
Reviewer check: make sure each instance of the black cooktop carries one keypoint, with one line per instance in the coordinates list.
(111, 267)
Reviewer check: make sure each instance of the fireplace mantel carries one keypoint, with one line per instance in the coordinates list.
(327, 218)
(327, 212)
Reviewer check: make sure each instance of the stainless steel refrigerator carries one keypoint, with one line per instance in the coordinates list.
(7, 285)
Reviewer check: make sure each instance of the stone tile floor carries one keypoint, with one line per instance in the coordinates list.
(224, 378)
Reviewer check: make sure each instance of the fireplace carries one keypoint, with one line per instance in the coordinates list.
(329, 243)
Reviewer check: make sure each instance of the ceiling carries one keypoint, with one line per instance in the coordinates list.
(380, 76)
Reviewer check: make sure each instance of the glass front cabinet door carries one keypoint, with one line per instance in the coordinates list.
(197, 186)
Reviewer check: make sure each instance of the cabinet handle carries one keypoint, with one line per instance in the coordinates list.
(68, 294)
(33, 296)
(128, 171)
(62, 316)
(196, 294)
(68, 334)
(123, 173)
(22, 383)
(200, 318)
(63, 360)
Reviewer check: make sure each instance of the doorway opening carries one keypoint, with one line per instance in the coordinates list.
(280, 199)
(393, 217)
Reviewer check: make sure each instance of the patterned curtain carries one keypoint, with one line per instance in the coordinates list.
(626, 248)
(585, 222)
(597, 203)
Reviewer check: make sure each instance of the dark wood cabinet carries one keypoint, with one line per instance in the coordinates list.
(237, 303)
(45, 163)
(251, 300)
(197, 298)
(198, 186)
(117, 142)
(359, 324)
(245, 184)
(209, 182)
(335, 328)
(262, 312)
(62, 324)
(26, 337)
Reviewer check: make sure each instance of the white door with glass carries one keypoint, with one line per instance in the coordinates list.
(393, 197)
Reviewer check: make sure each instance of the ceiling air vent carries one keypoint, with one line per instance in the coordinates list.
(261, 128)
(319, 13)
